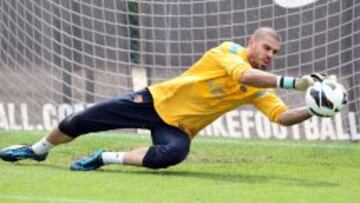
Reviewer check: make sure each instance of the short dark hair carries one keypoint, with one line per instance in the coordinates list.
(261, 31)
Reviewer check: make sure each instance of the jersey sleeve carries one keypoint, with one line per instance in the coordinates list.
(269, 104)
(225, 55)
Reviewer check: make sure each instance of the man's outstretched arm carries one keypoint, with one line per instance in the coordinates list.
(294, 116)
(262, 79)
(258, 78)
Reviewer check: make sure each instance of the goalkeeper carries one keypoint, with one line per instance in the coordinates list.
(224, 78)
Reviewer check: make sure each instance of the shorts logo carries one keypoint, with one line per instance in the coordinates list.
(138, 99)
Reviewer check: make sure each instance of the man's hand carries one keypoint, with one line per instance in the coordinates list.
(305, 81)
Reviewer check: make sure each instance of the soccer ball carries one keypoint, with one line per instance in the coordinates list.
(325, 98)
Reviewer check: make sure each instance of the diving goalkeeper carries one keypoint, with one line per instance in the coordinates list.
(224, 78)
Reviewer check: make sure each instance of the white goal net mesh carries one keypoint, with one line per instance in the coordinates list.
(56, 56)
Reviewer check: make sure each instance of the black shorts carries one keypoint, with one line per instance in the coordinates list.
(133, 110)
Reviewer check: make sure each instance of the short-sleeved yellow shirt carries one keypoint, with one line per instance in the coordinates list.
(210, 88)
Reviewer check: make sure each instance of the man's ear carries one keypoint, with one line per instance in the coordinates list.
(251, 40)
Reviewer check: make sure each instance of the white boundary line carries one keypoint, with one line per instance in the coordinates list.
(51, 199)
(345, 145)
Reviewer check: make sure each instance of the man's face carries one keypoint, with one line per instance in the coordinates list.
(262, 51)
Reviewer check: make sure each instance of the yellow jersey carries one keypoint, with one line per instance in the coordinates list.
(210, 88)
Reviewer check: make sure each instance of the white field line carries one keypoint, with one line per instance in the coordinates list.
(244, 142)
(50, 199)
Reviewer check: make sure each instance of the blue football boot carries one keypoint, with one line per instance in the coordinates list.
(20, 152)
(90, 163)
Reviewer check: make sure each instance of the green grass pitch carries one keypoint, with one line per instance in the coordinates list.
(217, 170)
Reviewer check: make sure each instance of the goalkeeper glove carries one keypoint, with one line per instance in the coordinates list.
(303, 82)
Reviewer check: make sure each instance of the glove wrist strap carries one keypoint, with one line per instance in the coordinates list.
(286, 82)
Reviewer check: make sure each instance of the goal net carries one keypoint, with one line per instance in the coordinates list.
(57, 57)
